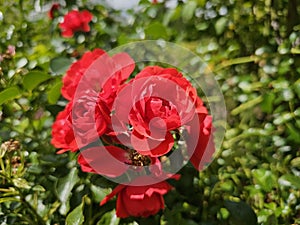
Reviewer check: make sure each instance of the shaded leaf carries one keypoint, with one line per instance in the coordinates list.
(33, 79)
(290, 180)
(54, 92)
(267, 103)
(109, 218)
(9, 94)
(64, 187)
(21, 183)
(59, 65)
(9, 199)
(241, 213)
(76, 216)
(265, 179)
(156, 30)
(220, 25)
(188, 10)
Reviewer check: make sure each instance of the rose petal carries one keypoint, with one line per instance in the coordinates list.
(124, 62)
(105, 160)
(148, 146)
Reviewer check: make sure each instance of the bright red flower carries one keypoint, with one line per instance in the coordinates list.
(76, 71)
(113, 161)
(81, 123)
(139, 201)
(90, 117)
(53, 9)
(91, 85)
(104, 160)
(162, 100)
(75, 21)
(62, 131)
(200, 142)
(100, 73)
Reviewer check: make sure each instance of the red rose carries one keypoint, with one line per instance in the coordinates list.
(89, 118)
(110, 161)
(200, 142)
(53, 9)
(75, 21)
(91, 84)
(76, 71)
(161, 101)
(100, 73)
(113, 161)
(139, 201)
(62, 131)
(80, 124)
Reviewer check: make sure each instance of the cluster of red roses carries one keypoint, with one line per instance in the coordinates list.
(73, 21)
(121, 126)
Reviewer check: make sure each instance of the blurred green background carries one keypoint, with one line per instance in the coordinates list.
(253, 49)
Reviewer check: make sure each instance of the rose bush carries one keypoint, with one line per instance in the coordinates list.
(125, 129)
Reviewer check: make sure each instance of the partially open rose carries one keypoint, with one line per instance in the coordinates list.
(113, 161)
(91, 85)
(76, 71)
(75, 21)
(62, 131)
(140, 201)
(200, 144)
(154, 104)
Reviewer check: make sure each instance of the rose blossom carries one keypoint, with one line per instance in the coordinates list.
(76, 71)
(100, 72)
(62, 131)
(113, 161)
(200, 144)
(139, 201)
(53, 9)
(161, 102)
(75, 21)
(89, 121)
(86, 117)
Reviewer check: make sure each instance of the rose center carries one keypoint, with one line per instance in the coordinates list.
(139, 160)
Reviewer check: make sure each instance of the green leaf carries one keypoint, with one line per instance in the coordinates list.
(295, 51)
(9, 199)
(99, 193)
(156, 30)
(220, 25)
(295, 162)
(59, 65)
(188, 11)
(21, 183)
(241, 213)
(33, 79)
(265, 179)
(9, 94)
(64, 187)
(109, 218)
(290, 180)
(54, 93)
(76, 216)
(38, 188)
(267, 103)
